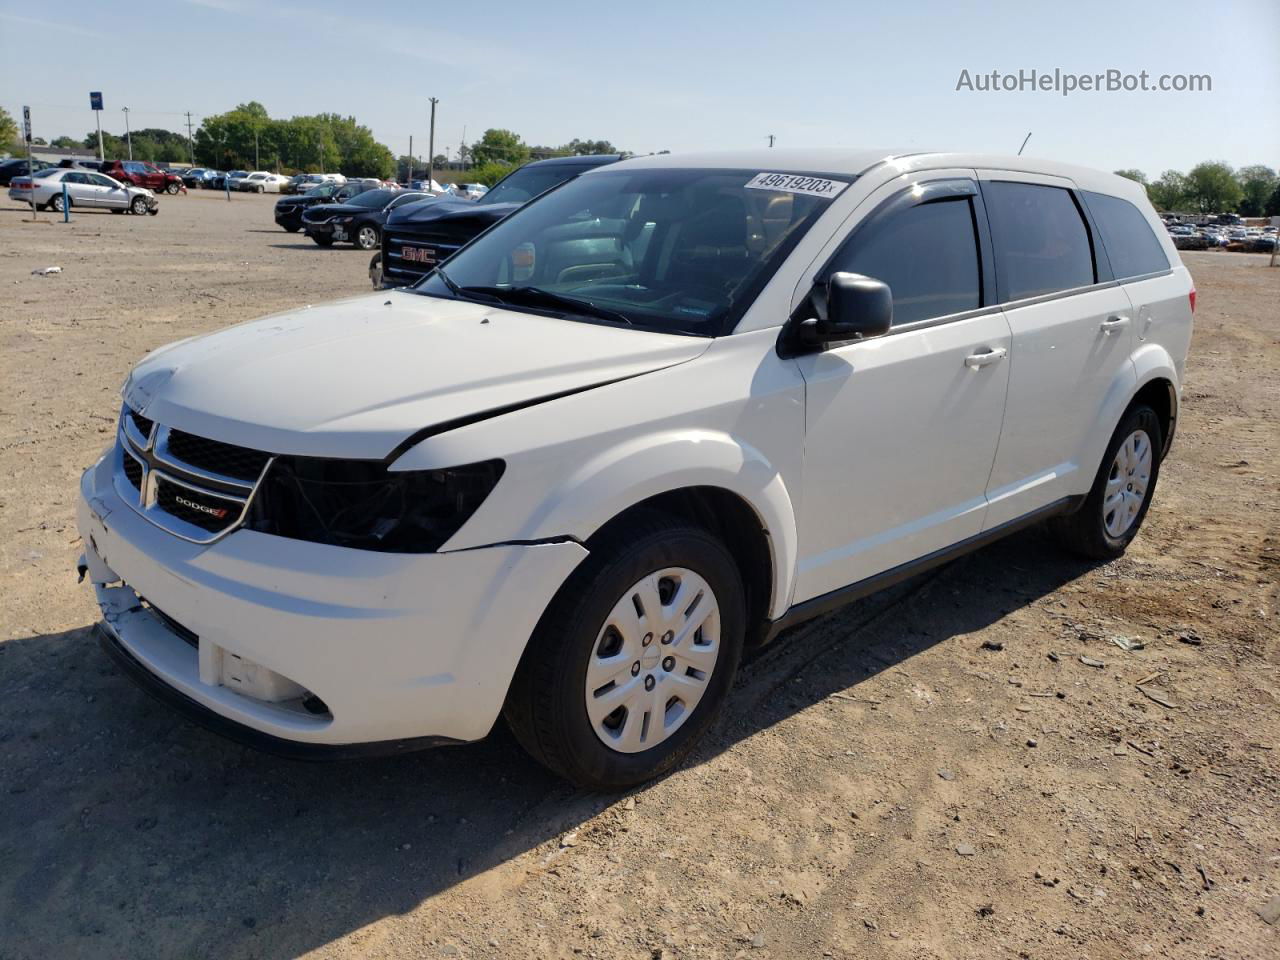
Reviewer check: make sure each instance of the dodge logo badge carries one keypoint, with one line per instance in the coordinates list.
(218, 512)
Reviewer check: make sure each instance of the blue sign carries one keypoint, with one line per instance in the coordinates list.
(95, 100)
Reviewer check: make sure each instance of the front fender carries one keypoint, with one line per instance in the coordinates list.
(644, 467)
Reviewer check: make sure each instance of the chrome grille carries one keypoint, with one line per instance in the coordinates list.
(196, 488)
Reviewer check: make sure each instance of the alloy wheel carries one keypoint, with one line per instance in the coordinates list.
(652, 660)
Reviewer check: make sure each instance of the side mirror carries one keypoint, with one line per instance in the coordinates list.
(858, 308)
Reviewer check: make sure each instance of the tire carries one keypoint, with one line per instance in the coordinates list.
(547, 705)
(368, 238)
(171, 189)
(293, 229)
(117, 210)
(323, 240)
(375, 271)
(1108, 520)
(138, 206)
(257, 189)
(55, 203)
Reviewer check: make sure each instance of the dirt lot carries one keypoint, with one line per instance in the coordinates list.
(882, 785)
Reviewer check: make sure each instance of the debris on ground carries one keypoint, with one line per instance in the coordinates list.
(45, 271)
(1091, 662)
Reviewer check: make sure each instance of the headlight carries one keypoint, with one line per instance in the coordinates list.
(363, 505)
(343, 219)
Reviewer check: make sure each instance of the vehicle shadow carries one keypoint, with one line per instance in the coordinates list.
(130, 831)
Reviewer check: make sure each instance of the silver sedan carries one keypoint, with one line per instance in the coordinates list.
(85, 189)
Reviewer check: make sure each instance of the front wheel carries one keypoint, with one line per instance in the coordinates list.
(633, 659)
(138, 206)
(171, 189)
(367, 237)
(1104, 526)
(322, 239)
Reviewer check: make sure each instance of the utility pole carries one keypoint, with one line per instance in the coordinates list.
(95, 104)
(191, 144)
(127, 135)
(257, 164)
(431, 146)
(409, 176)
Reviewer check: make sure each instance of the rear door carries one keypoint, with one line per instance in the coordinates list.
(1073, 335)
(901, 429)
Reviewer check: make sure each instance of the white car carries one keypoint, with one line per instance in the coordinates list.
(261, 182)
(659, 414)
(85, 189)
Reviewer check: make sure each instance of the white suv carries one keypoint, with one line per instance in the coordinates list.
(666, 411)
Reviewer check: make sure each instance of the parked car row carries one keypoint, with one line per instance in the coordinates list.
(84, 188)
(1215, 236)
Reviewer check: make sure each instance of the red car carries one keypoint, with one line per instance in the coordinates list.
(142, 174)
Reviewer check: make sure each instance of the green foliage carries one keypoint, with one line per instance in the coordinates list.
(1272, 209)
(1135, 175)
(489, 173)
(67, 143)
(323, 143)
(1258, 183)
(500, 147)
(589, 147)
(1169, 192)
(1212, 187)
(8, 129)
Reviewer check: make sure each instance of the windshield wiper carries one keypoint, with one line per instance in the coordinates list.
(470, 293)
(534, 296)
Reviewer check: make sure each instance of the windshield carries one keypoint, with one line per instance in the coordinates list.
(680, 251)
(527, 182)
(373, 199)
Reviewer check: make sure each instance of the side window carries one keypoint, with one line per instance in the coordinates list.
(927, 254)
(99, 180)
(1040, 238)
(75, 178)
(1131, 246)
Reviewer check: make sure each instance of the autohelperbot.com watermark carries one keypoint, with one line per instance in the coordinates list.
(1065, 82)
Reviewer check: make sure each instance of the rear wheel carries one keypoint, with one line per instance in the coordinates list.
(634, 658)
(375, 271)
(56, 202)
(1112, 514)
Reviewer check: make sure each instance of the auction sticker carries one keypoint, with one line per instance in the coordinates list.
(797, 183)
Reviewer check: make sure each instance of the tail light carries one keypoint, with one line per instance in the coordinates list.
(1192, 297)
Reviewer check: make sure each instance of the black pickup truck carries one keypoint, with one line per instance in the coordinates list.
(417, 236)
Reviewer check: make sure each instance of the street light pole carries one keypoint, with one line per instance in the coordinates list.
(431, 146)
(127, 135)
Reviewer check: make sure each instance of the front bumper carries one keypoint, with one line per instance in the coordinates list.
(289, 218)
(396, 647)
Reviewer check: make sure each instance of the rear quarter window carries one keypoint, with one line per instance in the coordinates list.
(1041, 242)
(1131, 246)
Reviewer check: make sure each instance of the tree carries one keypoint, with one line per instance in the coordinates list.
(1272, 209)
(1212, 187)
(439, 160)
(8, 130)
(67, 143)
(589, 147)
(489, 173)
(1257, 183)
(1136, 175)
(1169, 192)
(500, 147)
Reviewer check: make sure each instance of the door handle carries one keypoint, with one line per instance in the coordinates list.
(1114, 325)
(976, 360)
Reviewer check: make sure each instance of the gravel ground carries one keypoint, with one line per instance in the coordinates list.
(882, 785)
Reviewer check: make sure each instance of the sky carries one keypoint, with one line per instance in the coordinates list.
(679, 76)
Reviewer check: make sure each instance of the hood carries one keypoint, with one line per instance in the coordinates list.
(357, 377)
(317, 211)
(431, 211)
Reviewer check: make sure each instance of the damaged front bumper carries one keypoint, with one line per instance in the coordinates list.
(308, 649)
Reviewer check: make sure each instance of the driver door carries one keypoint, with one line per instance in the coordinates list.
(901, 430)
